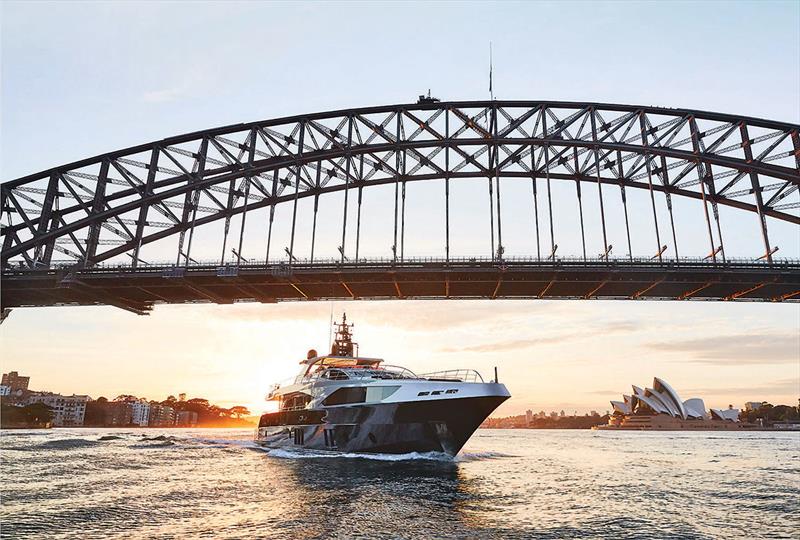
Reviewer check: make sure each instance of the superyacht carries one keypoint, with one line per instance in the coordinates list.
(343, 402)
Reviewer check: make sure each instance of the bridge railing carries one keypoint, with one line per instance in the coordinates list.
(170, 269)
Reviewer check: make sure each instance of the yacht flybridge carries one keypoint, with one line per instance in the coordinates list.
(348, 403)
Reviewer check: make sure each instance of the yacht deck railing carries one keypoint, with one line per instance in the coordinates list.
(456, 375)
(386, 372)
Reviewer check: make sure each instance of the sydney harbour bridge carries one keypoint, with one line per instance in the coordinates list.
(568, 200)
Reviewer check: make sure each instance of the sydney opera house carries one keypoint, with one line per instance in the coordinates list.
(660, 407)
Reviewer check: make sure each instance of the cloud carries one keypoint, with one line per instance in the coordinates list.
(742, 349)
(409, 315)
(612, 327)
(621, 326)
(782, 386)
(511, 345)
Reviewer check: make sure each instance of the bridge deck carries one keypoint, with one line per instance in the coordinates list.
(138, 289)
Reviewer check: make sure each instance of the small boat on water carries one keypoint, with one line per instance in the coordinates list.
(343, 402)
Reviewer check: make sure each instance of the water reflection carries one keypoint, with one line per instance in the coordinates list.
(364, 496)
(507, 484)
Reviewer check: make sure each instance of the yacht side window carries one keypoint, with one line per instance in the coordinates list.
(335, 375)
(343, 396)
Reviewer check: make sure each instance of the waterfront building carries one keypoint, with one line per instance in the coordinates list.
(726, 414)
(118, 413)
(660, 407)
(753, 405)
(67, 410)
(186, 419)
(140, 413)
(15, 381)
(161, 415)
(5, 390)
(529, 416)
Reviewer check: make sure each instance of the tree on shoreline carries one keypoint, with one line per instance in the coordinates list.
(35, 414)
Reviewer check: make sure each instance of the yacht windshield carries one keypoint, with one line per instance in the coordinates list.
(384, 373)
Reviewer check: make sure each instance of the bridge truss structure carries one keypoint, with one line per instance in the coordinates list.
(74, 234)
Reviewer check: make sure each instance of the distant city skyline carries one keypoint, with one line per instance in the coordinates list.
(126, 73)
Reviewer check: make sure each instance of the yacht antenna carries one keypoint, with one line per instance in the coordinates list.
(330, 329)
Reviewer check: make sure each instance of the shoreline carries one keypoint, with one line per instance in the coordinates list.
(603, 428)
(3, 428)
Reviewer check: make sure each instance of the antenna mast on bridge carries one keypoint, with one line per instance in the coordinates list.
(491, 92)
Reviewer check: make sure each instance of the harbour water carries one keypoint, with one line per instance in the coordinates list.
(104, 483)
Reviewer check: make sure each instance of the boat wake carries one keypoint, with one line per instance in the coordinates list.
(481, 456)
(285, 453)
(318, 454)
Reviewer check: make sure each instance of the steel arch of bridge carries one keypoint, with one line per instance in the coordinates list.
(104, 208)
(111, 205)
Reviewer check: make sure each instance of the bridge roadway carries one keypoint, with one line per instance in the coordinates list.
(139, 289)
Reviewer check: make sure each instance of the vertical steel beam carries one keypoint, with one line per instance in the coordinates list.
(8, 237)
(756, 185)
(580, 202)
(43, 253)
(496, 169)
(403, 210)
(708, 178)
(239, 256)
(347, 181)
(148, 190)
(98, 204)
(599, 183)
(535, 204)
(646, 145)
(251, 152)
(228, 213)
(316, 207)
(795, 135)
(700, 174)
(447, 186)
(50, 246)
(715, 212)
(491, 195)
(187, 209)
(665, 181)
(708, 219)
(621, 175)
(397, 160)
(360, 190)
(272, 212)
(201, 170)
(296, 188)
(547, 176)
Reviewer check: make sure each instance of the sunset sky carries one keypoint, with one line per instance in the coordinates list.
(82, 79)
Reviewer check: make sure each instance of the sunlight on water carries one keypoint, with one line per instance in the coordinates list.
(93, 483)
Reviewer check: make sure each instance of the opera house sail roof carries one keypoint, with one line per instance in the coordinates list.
(662, 399)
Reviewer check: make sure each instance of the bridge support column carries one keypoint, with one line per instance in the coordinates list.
(756, 185)
(447, 190)
(646, 144)
(700, 177)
